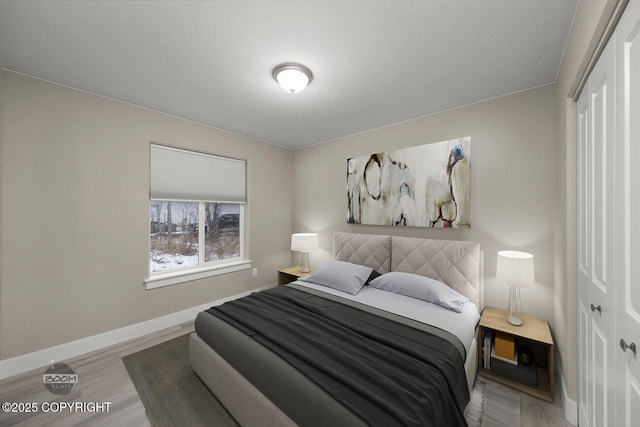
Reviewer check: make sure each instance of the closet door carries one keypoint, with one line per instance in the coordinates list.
(627, 59)
(584, 408)
(596, 262)
(584, 317)
(602, 268)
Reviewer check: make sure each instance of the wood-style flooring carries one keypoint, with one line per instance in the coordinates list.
(103, 378)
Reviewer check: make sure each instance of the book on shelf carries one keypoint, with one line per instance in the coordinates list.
(489, 351)
(486, 347)
(504, 359)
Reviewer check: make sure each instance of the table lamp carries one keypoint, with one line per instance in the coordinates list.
(515, 269)
(304, 242)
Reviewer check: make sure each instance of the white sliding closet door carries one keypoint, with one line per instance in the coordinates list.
(627, 60)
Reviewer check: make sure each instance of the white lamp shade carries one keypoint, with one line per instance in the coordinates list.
(304, 242)
(515, 269)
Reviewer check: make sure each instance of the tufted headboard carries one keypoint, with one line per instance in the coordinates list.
(457, 263)
(365, 249)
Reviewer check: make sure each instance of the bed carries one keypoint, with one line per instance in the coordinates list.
(261, 384)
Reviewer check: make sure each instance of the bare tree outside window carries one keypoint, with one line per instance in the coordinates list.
(222, 238)
(175, 228)
(173, 235)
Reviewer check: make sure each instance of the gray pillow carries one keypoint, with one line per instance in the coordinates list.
(341, 275)
(422, 288)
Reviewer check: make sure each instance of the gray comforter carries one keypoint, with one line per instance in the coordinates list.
(385, 372)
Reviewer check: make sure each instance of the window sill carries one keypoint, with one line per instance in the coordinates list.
(167, 279)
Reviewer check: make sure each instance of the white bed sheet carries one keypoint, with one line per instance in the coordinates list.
(463, 325)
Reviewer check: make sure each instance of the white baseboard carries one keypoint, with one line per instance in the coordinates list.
(570, 406)
(37, 359)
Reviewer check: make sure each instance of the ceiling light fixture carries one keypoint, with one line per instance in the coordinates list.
(292, 77)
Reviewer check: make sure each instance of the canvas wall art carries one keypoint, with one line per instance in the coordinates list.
(424, 186)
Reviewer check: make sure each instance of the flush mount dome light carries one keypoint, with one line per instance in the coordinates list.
(292, 77)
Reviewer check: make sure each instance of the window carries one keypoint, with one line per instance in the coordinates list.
(196, 216)
(175, 234)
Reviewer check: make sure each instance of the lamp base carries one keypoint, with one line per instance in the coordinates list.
(514, 307)
(304, 262)
(516, 321)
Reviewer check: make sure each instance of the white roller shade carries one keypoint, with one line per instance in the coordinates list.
(187, 175)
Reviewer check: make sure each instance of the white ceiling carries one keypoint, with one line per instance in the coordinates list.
(375, 62)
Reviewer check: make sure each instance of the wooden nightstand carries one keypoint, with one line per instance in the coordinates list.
(291, 274)
(535, 334)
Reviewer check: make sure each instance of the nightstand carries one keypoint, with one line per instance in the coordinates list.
(291, 274)
(534, 334)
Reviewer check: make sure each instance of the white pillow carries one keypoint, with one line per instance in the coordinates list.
(341, 275)
(420, 287)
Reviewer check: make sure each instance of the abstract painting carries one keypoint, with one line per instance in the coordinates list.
(424, 186)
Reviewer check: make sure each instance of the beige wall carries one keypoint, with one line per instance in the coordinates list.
(513, 141)
(588, 27)
(75, 185)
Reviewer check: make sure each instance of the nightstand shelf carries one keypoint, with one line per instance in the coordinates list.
(535, 334)
(291, 274)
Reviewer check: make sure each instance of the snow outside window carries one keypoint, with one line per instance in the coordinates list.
(190, 234)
